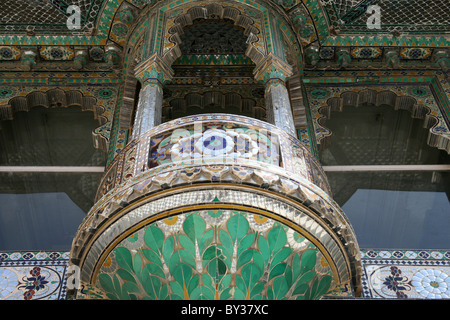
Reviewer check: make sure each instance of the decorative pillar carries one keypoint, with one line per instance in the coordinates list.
(152, 73)
(273, 72)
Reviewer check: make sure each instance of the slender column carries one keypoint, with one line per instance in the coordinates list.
(149, 109)
(152, 73)
(274, 71)
(278, 106)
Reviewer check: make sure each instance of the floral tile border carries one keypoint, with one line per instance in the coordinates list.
(33, 275)
(405, 274)
(387, 274)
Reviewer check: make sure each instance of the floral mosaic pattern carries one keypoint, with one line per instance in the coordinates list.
(215, 254)
(216, 140)
(57, 53)
(394, 274)
(406, 274)
(366, 53)
(33, 275)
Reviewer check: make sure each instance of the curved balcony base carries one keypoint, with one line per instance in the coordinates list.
(217, 232)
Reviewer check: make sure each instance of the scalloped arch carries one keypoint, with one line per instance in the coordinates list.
(57, 98)
(215, 11)
(378, 98)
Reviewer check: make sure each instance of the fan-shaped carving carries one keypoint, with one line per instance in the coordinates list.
(378, 98)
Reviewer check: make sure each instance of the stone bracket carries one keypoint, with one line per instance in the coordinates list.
(153, 69)
(272, 67)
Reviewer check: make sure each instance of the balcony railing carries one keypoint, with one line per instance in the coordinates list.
(214, 139)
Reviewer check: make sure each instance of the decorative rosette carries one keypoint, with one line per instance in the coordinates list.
(172, 224)
(259, 223)
(215, 217)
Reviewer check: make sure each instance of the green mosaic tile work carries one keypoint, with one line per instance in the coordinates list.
(215, 254)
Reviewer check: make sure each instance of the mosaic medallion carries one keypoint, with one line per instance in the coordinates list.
(104, 93)
(215, 140)
(7, 92)
(418, 91)
(9, 53)
(120, 29)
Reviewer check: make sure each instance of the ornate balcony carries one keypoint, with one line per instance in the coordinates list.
(216, 206)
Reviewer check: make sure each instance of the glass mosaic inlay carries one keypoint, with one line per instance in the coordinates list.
(388, 274)
(33, 275)
(406, 274)
(215, 254)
